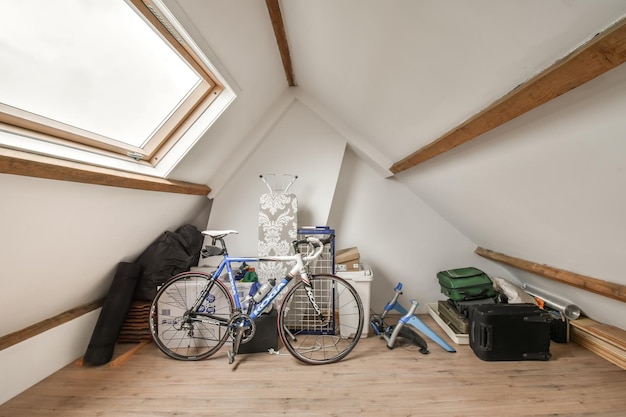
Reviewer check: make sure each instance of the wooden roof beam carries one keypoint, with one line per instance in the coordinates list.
(604, 288)
(40, 166)
(604, 52)
(273, 7)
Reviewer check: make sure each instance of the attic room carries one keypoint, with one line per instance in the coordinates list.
(432, 135)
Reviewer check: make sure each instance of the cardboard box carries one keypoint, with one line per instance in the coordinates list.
(347, 260)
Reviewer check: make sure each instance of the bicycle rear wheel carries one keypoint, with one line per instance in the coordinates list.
(311, 339)
(183, 334)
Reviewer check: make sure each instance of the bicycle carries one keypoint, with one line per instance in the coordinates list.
(320, 319)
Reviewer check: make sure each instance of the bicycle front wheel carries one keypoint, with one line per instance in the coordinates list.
(320, 340)
(182, 333)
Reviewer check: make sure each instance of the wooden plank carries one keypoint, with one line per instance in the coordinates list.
(607, 341)
(273, 7)
(599, 347)
(40, 166)
(596, 347)
(126, 355)
(601, 54)
(610, 334)
(45, 325)
(605, 288)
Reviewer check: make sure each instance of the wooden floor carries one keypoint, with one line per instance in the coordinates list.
(372, 381)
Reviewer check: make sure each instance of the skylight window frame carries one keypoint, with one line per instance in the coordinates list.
(170, 141)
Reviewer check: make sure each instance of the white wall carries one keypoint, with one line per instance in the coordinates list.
(299, 143)
(61, 243)
(547, 187)
(398, 235)
(32, 360)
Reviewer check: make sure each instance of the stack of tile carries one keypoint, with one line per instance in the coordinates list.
(136, 328)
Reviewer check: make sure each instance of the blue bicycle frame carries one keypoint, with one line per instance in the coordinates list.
(269, 298)
(299, 269)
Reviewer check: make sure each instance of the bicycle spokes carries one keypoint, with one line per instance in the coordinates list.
(324, 331)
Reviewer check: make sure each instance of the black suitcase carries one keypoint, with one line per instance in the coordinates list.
(510, 332)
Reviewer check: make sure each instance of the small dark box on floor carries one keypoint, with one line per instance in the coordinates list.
(559, 327)
(559, 331)
(266, 335)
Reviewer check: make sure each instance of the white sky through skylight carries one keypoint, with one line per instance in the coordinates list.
(91, 64)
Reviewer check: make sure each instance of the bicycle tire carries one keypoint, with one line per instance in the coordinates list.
(302, 331)
(179, 335)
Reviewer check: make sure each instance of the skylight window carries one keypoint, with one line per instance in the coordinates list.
(106, 80)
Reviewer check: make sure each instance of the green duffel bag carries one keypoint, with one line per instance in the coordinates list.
(462, 284)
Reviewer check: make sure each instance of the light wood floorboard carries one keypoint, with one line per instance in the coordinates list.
(372, 381)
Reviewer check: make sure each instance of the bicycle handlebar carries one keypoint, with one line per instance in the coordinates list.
(316, 243)
(217, 236)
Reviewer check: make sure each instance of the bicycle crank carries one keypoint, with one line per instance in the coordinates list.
(242, 329)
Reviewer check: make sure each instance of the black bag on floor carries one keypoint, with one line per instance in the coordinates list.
(510, 332)
(113, 314)
(170, 254)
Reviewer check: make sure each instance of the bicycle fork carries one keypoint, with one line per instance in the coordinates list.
(309, 292)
